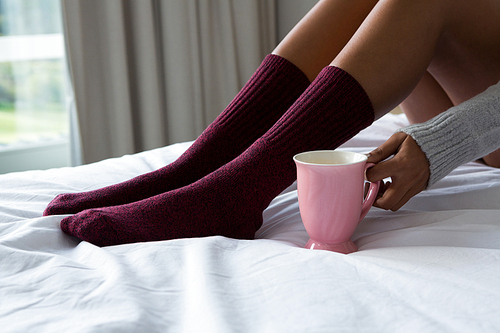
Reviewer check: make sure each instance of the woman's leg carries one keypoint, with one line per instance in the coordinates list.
(388, 55)
(429, 99)
(458, 42)
(273, 88)
(426, 101)
(493, 159)
(392, 49)
(319, 37)
(267, 95)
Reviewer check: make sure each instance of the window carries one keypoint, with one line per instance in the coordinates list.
(34, 126)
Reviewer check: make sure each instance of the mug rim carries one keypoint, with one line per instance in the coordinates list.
(362, 156)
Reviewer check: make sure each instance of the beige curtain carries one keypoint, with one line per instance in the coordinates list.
(147, 73)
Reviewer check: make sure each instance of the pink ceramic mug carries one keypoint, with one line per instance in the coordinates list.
(330, 185)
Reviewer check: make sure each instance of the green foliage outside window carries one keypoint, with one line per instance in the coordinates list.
(31, 100)
(31, 92)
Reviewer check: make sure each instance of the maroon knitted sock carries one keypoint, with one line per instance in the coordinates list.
(230, 200)
(272, 89)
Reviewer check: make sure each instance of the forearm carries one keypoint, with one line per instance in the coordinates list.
(461, 134)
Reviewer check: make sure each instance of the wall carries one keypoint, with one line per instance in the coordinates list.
(290, 12)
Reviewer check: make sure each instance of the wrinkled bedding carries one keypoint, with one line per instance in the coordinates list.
(433, 266)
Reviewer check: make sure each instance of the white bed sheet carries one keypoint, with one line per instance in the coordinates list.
(433, 266)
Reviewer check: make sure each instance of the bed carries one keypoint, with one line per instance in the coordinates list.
(433, 266)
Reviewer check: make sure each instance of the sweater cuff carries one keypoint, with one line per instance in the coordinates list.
(461, 134)
(446, 143)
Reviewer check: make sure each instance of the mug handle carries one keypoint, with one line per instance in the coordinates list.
(370, 197)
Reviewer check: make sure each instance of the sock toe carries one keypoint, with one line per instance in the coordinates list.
(91, 226)
(62, 204)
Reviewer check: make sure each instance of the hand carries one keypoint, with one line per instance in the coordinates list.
(408, 169)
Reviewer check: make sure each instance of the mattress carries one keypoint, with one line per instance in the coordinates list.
(433, 266)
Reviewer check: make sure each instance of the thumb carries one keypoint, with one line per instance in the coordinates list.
(387, 149)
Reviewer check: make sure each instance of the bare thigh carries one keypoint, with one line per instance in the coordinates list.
(467, 61)
(426, 101)
(467, 58)
(390, 46)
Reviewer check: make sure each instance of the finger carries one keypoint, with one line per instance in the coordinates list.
(381, 189)
(390, 197)
(410, 194)
(394, 193)
(395, 197)
(380, 192)
(382, 170)
(387, 149)
(418, 187)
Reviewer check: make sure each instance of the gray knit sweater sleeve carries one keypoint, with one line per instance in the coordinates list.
(461, 134)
